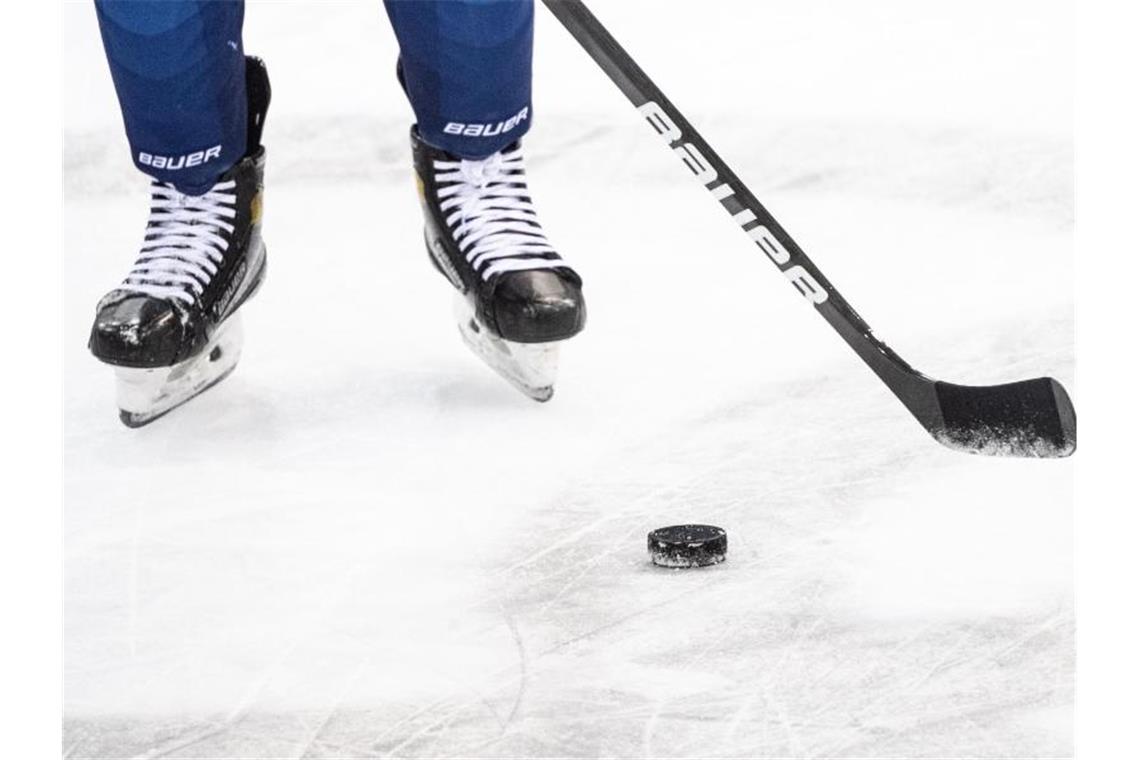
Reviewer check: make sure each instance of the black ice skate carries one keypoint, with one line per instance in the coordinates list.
(517, 298)
(171, 328)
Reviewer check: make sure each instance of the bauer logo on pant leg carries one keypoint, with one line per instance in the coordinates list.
(174, 163)
(487, 130)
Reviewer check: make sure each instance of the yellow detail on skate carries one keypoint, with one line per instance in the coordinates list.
(420, 186)
(255, 209)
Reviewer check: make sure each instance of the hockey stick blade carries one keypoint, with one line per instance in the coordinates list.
(1030, 418)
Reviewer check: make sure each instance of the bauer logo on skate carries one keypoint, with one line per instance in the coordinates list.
(222, 305)
(487, 130)
(706, 173)
(174, 163)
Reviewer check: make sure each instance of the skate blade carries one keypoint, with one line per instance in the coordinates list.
(530, 367)
(144, 395)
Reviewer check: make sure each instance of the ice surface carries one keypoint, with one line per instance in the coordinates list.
(365, 544)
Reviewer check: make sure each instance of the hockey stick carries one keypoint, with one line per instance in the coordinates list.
(1033, 418)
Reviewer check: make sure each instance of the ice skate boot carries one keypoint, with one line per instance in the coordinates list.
(171, 328)
(517, 299)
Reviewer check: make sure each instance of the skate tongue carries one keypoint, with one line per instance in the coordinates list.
(481, 173)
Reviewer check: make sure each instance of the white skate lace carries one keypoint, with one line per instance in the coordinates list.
(489, 212)
(184, 242)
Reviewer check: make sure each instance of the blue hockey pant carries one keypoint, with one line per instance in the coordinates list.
(179, 71)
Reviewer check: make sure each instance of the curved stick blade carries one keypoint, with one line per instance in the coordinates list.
(1029, 418)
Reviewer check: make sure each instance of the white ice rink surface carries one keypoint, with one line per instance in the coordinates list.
(365, 544)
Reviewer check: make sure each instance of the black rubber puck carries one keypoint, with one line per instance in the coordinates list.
(688, 546)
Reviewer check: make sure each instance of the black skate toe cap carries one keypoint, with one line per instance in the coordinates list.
(136, 331)
(538, 306)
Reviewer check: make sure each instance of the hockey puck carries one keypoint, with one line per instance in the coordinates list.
(688, 546)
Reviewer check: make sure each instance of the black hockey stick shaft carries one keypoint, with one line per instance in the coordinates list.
(1031, 417)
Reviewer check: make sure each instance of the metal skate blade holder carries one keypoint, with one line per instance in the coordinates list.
(144, 395)
(529, 367)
